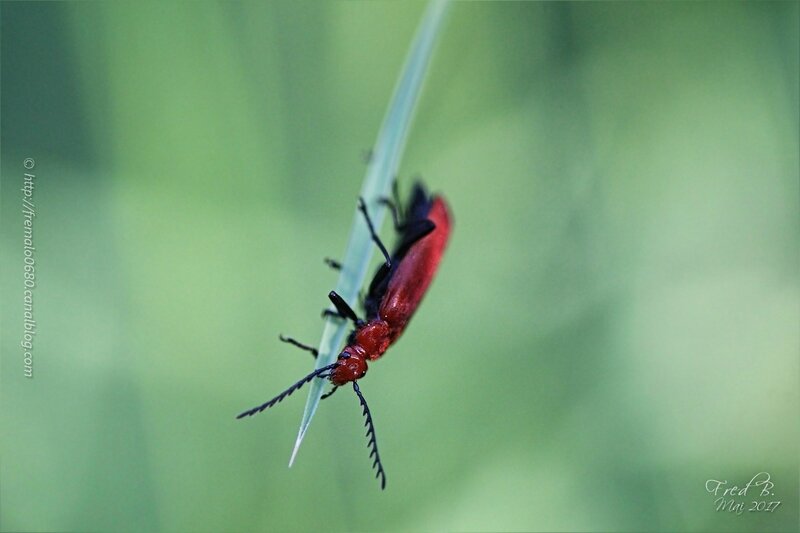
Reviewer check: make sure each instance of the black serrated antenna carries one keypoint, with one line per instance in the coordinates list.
(372, 443)
(289, 391)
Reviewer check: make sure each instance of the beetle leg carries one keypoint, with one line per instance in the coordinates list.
(300, 345)
(344, 310)
(330, 312)
(414, 232)
(329, 393)
(333, 263)
(363, 208)
(398, 226)
(366, 156)
(402, 212)
(417, 230)
(396, 192)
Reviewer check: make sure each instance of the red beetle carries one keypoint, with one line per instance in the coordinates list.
(393, 296)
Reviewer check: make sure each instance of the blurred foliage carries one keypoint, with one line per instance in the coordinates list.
(615, 322)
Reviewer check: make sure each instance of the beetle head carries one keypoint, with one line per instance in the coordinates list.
(350, 368)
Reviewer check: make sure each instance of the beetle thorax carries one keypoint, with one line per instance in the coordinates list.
(372, 339)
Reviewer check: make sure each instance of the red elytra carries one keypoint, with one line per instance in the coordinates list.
(393, 297)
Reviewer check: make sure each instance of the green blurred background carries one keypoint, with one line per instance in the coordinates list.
(614, 323)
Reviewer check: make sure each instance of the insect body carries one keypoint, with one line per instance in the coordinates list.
(397, 289)
(393, 296)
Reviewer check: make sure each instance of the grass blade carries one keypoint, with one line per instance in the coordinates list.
(383, 166)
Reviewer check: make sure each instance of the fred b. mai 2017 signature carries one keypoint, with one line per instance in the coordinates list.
(754, 496)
